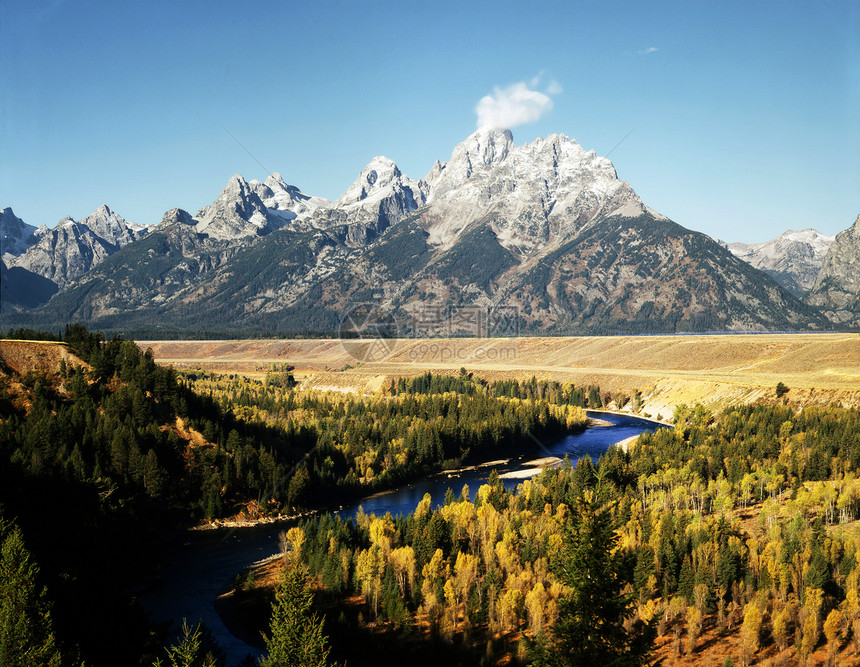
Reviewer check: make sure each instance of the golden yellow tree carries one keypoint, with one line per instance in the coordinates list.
(810, 621)
(403, 562)
(833, 630)
(750, 631)
(694, 627)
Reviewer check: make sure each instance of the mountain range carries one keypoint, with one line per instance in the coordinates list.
(793, 259)
(542, 237)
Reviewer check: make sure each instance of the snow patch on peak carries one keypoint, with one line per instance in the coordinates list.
(277, 182)
(630, 209)
(533, 193)
(799, 255)
(286, 201)
(378, 173)
(435, 170)
(112, 227)
(379, 178)
(251, 208)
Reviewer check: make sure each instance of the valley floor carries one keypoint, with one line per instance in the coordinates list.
(718, 370)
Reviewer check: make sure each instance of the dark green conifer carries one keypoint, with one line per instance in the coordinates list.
(296, 637)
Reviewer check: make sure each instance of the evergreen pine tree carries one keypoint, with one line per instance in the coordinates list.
(26, 630)
(296, 636)
(590, 626)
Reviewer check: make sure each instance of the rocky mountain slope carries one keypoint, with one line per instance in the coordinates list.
(542, 237)
(72, 248)
(20, 288)
(837, 288)
(15, 235)
(793, 259)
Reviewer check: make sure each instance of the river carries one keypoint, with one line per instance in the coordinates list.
(201, 564)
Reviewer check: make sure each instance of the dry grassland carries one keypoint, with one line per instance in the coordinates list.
(820, 369)
(25, 356)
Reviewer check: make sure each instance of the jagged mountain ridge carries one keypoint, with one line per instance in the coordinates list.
(535, 193)
(546, 228)
(72, 248)
(16, 236)
(793, 258)
(837, 288)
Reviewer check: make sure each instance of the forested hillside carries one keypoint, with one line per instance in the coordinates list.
(733, 534)
(98, 462)
(101, 457)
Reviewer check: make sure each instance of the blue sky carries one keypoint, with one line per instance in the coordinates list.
(744, 115)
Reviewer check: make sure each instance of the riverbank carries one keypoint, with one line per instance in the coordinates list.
(625, 444)
(218, 524)
(244, 609)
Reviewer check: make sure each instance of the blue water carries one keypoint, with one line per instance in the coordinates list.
(203, 563)
(592, 442)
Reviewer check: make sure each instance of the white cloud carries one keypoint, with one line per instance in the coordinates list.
(534, 82)
(649, 50)
(554, 88)
(514, 105)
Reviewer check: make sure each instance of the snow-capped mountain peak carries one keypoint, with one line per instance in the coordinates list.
(534, 193)
(284, 201)
(112, 227)
(71, 248)
(480, 150)
(374, 182)
(792, 258)
(238, 212)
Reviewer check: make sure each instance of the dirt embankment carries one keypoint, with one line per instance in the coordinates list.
(819, 369)
(25, 356)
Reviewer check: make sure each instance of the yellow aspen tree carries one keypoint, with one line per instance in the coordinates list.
(381, 531)
(451, 601)
(429, 601)
(700, 594)
(694, 627)
(510, 603)
(811, 621)
(535, 602)
(782, 625)
(368, 570)
(750, 631)
(833, 630)
(465, 575)
(403, 562)
(295, 538)
(431, 572)
(423, 507)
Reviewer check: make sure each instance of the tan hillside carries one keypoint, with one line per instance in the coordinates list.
(714, 369)
(24, 356)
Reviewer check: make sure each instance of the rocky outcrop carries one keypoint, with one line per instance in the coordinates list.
(16, 236)
(837, 287)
